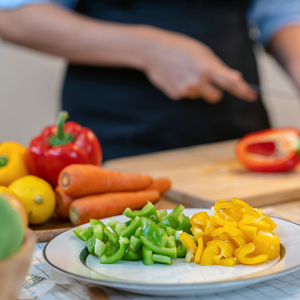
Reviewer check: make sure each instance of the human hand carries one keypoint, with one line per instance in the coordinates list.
(183, 67)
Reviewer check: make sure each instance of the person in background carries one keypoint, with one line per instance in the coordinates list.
(152, 75)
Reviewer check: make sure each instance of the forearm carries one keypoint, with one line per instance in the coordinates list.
(285, 47)
(79, 39)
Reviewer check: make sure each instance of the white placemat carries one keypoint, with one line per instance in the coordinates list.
(67, 288)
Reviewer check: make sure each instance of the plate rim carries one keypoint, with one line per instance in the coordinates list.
(242, 281)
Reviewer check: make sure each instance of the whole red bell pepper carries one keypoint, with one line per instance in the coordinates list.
(270, 150)
(61, 145)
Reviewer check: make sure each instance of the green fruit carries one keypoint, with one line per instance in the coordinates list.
(11, 229)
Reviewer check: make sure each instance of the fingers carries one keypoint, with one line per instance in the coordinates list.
(232, 82)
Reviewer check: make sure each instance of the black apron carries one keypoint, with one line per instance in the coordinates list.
(130, 116)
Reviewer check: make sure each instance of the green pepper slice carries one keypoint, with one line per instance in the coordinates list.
(185, 224)
(153, 232)
(94, 222)
(147, 256)
(162, 259)
(170, 231)
(100, 247)
(112, 235)
(130, 255)
(77, 231)
(90, 244)
(170, 220)
(99, 231)
(86, 234)
(171, 252)
(171, 242)
(177, 211)
(116, 256)
(135, 244)
(148, 210)
(130, 230)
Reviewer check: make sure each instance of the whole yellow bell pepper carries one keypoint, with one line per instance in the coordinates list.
(242, 252)
(13, 162)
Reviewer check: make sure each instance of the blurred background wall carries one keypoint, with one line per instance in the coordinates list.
(30, 86)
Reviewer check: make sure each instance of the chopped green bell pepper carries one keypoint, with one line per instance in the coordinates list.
(162, 259)
(77, 231)
(116, 256)
(130, 255)
(130, 230)
(153, 232)
(169, 220)
(148, 211)
(100, 247)
(135, 244)
(147, 256)
(171, 252)
(112, 235)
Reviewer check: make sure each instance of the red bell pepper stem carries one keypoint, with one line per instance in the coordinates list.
(3, 161)
(61, 138)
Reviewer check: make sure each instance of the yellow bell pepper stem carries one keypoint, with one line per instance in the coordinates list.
(199, 218)
(208, 253)
(267, 243)
(242, 252)
(199, 251)
(13, 162)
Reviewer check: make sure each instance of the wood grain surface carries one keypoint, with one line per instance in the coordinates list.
(203, 174)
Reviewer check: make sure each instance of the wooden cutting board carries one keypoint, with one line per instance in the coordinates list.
(201, 175)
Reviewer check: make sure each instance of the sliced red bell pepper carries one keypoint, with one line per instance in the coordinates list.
(271, 150)
(59, 146)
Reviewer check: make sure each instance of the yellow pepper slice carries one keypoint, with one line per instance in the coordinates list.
(228, 262)
(207, 255)
(199, 251)
(228, 229)
(226, 248)
(209, 228)
(227, 204)
(249, 231)
(226, 217)
(250, 210)
(267, 243)
(220, 221)
(237, 241)
(197, 232)
(199, 218)
(270, 222)
(188, 242)
(242, 252)
(224, 237)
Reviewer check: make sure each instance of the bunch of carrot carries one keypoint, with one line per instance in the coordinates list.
(88, 191)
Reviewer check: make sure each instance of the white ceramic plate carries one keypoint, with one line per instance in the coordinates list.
(67, 254)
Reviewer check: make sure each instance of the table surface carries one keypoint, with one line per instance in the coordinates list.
(283, 288)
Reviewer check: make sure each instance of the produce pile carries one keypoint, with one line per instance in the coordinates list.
(234, 234)
(60, 174)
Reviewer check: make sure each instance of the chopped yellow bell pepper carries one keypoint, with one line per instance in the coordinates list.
(208, 253)
(226, 248)
(197, 232)
(13, 162)
(270, 222)
(220, 221)
(227, 204)
(228, 262)
(188, 242)
(228, 229)
(246, 206)
(249, 231)
(237, 241)
(199, 218)
(199, 251)
(242, 252)
(224, 237)
(267, 243)
(210, 227)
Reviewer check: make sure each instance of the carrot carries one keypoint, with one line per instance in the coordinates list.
(63, 202)
(162, 185)
(108, 204)
(80, 180)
